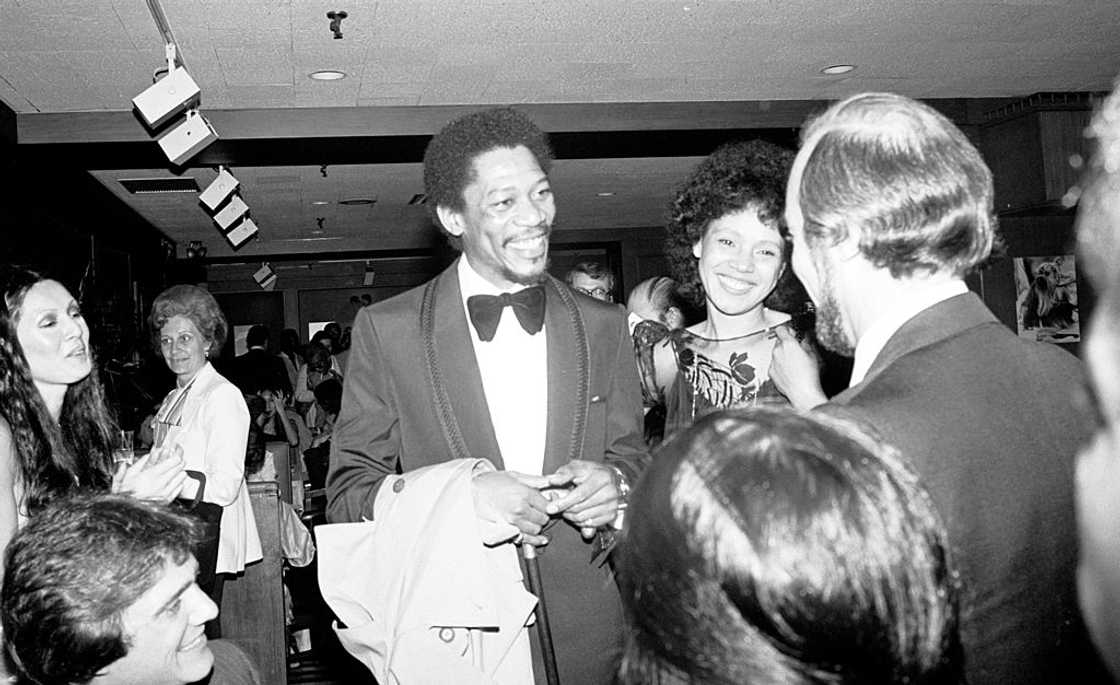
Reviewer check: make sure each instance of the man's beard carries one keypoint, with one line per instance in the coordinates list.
(830, 321)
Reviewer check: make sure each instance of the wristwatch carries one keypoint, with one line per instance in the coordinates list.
(623, 487)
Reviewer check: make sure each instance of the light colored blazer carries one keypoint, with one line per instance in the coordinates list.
(213, 430)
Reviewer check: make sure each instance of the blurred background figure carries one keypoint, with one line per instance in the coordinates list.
(768, 546)
(655, 307)
(1098, 468)
(259, 367)
(592, 279)
(658, 299)
(57, 435)
(727, 249)
(328, 403)
(205, 416)
(290, 354)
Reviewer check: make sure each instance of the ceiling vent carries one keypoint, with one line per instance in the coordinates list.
(418, 199)
(149, 186)
(356, 201)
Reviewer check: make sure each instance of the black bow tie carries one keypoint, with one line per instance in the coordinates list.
(486, 310)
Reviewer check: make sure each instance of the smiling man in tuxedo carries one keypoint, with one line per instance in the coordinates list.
(495, 358)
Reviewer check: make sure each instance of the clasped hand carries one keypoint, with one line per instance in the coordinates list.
(158, 475)
(582, 492)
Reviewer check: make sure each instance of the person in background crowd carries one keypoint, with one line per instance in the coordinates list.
(890, 206)
(206, 417)
(769, 546)
(546, 388)
(328, 401)
(56, 433)
(592, 279)
(658, 299)
(658, 306)
(100, 590)
(258, 367)
(291, 355)
(1098, 467)
(315, 371)
(727, 249)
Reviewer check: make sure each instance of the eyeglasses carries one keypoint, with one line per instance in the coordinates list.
(598, 293)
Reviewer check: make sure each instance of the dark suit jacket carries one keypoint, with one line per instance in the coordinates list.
(389, 421)
(991, 424)
(258, 369)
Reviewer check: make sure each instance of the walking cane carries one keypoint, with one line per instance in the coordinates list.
(544, 631)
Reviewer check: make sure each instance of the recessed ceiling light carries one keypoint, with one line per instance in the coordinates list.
(327, 75)
(319, 203)
(605, 194)
(837, 69)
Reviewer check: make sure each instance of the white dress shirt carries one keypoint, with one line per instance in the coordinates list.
(514, 369)
(877, 335)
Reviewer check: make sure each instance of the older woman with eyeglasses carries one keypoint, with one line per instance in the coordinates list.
(205, 416)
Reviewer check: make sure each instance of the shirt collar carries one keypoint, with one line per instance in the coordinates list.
(875, 339)
(471, 283)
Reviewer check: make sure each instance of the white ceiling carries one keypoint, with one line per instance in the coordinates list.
(81, 56)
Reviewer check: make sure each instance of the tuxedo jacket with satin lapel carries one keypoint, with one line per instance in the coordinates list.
(991, 424)
(389, 423)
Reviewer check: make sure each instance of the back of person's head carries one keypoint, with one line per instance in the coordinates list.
(289, 341)
(770, 546)
(449, 157)
(72, 571)
(900, 177)
(1098, 469)
(659, 299)
(51, 457)
(329, 395)
(258, 336)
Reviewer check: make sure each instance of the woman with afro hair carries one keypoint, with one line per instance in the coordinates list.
(729, 250)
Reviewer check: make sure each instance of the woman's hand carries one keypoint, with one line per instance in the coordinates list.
(795, 370)
(159, 475)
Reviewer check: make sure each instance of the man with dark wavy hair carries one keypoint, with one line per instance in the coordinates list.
(495, 358)
(889, 207)
(101, 589)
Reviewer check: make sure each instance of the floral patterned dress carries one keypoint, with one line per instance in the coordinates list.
(710, 374)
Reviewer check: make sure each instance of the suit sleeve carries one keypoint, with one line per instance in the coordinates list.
(625, 446)
(365, 442)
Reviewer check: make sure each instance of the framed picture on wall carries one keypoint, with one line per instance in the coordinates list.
(1046, 298)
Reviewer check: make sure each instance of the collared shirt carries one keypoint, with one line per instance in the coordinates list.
(877, 335)
(514, 369)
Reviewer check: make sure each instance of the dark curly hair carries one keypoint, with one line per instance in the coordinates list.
(73, 571)
(52, 458)
(736, 176)
(449, 158)
(195, 304)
